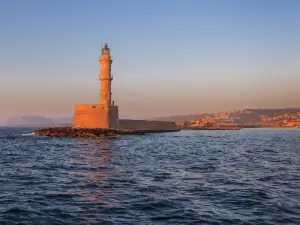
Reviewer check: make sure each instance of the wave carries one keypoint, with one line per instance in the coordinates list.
(29, 134)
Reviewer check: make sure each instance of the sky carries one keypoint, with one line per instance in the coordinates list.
(170, 57)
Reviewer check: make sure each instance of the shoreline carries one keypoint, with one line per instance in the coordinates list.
(238, 128)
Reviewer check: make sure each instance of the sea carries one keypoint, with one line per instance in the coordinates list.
(250, 176)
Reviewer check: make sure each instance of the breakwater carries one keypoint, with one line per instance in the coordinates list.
(69, 132)
(149, 126)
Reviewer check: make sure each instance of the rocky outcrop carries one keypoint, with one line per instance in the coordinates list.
(69, 132)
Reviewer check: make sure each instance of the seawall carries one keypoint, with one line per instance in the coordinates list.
(148, 125)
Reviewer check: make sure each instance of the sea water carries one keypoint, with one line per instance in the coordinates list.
(251, 176)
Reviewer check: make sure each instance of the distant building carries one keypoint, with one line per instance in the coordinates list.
(203, 123)
(289, 123)
(182, 124)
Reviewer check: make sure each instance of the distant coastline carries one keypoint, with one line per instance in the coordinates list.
(245, 118)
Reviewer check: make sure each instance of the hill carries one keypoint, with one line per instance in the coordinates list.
(243, 117)
(36, 121)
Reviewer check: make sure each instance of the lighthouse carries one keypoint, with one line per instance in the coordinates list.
(105, 77)
(110, 118)
(105, 114)
(105, 84)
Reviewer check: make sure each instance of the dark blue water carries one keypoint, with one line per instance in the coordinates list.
(188, 177)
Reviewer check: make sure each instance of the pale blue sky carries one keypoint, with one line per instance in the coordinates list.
(170, 56)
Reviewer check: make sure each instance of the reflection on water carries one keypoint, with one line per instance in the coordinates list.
(93, 160)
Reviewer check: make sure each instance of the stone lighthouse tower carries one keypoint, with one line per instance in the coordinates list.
(110, 115)
(105, 84)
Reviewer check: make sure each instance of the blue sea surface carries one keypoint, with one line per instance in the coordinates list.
(251, 176)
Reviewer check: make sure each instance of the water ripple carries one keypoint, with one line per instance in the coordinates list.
(190, 177)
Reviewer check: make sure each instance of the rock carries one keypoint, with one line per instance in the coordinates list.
(85, 133)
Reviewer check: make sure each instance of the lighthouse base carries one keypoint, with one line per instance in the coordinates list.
(89, 116)
(94, 116)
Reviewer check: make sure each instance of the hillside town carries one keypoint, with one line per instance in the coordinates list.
(246, 118)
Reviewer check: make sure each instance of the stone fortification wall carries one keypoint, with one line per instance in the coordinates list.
(148, 125)
(88, 116)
